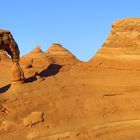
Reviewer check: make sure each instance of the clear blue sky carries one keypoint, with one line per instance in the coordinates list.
(81, 26)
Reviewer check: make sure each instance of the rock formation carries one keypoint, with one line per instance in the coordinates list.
(121, 50)
(17, 73)
(33, 59)
(8, 44)
(34, 62)
(60, 55)
(122, 46)
(57, 54)
(94, 100)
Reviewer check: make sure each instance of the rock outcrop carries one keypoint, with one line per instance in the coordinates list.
(34, 62)
(17, 73)
(57, 54)
(95, 100)
(8, 44)
(60, 55)
(36, 59)
(123, 40)
(121, 50)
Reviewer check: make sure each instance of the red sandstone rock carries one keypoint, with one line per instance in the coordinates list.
(60, 55)
(95, 100)
(36, 59)
(17, 73)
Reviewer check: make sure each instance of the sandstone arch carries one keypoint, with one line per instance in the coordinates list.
(8, 44)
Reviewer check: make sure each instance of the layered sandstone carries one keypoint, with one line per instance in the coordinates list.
(8, 45)
(121, 50)
(34, 62)
(124, 39)
(60, 55)
(95, 100)
(57, 54)
(36, 59)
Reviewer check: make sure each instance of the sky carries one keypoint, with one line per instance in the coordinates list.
(81, 26)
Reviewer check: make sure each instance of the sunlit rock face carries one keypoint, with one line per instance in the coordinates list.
(124, 39)
(8, 44)
(121, 50)
(63, 98)
(3, 56)
(35, 59)
(60, 55)
(57, 54)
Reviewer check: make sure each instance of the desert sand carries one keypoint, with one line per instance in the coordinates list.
(63, 98)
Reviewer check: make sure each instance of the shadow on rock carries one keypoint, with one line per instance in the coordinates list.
(4, 88)
(51, 70)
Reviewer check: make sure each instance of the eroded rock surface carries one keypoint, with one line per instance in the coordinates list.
(35, 59)
(8, 44)
(95, 100)
(60, 55)
(122, 47)
(17, 73)
(33, 118)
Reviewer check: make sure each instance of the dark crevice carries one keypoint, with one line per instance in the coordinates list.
(4, 88)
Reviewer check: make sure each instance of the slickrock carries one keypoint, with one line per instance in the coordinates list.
(33, 118)
(9, 45)
(8, 125)
(94, 100)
